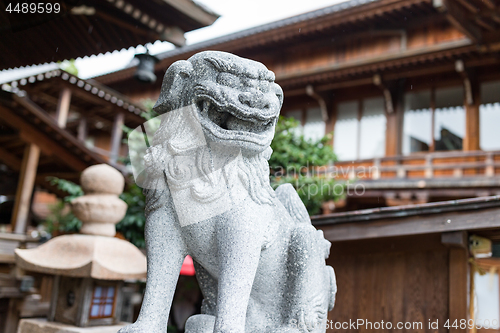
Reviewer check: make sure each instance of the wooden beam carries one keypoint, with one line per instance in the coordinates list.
(42, 177)
(460, 18)
(82, 129)
(63, 107)
(25, 188)
(416, 225)
(458, 290)
(10, 160)
(321, 101)
(377, 80)
(48, 146)
(116, 137)
(455, 239)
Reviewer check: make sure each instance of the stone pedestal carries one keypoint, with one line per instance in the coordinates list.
(44, 326)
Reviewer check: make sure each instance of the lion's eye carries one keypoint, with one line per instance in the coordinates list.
(228, 79)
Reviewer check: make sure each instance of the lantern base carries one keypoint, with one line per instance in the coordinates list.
(44, 326)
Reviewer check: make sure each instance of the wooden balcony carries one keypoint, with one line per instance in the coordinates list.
(455, 164)
(415, 179)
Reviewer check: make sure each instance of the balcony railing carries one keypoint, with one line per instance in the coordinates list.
(426, 166)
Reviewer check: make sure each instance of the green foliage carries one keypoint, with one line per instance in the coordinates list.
(132, 225)
(61, 220)
(293, 152)
(294, 160)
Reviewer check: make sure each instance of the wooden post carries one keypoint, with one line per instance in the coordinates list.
(432, 147)
(458, 293)
(25, 188)
(394, 125)
(360, 116)
(116, 137)
(332, 116)
(471, 140)
(63, 107)
(82, 129)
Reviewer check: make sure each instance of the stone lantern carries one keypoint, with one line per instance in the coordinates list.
(90, 267)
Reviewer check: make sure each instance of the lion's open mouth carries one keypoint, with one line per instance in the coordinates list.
(231, 121)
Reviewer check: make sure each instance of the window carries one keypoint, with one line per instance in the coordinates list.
(489, 116)
(417, 132)
(314, 128)
(103, 300)
(449, 119)
(372, 128)
(360, 136)
(345, 142)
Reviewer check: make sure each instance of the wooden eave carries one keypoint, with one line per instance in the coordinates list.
(62, 155)
(89, 98)
(476, 214)
(353, 14)
(95, 27)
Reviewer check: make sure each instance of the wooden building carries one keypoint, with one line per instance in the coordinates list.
(411, 90)
(411, 265)
(409, 87)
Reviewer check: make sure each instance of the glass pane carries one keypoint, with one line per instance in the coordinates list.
(489, 119)
(94, 311)
(449, 129)
(97, 291)
(417, 122)
(489, 116)
(108, 310)
(372, 127)
(111, 292)
(314, 128)
(346, 131)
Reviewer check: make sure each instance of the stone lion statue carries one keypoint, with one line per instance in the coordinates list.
(259, 261)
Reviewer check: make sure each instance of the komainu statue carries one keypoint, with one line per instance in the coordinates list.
(259, 261)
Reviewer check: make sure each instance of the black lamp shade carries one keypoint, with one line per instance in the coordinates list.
(146, 68)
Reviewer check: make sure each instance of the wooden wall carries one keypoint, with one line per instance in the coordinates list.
(403, 279)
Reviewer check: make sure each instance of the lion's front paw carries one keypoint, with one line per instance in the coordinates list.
(141, 327)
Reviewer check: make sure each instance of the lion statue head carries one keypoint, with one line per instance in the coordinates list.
(237, 100)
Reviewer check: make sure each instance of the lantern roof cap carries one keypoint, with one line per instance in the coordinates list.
(97, 257)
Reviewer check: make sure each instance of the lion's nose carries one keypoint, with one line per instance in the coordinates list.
(253, 99)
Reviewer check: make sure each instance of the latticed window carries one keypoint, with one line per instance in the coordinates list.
(103, 301)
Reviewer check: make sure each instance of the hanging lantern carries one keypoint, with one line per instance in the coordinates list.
(146, 68)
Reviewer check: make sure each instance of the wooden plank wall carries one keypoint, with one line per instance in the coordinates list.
(327, 52)
(402, 279)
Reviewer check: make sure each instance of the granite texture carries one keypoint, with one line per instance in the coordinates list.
(100, 208)
(259, 261)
